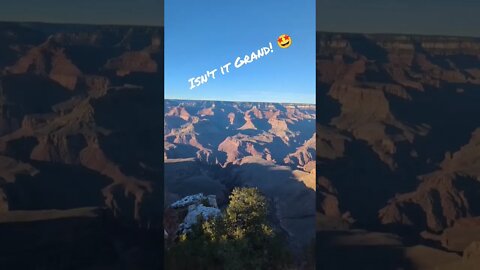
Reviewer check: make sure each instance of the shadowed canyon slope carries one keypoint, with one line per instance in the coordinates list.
(213, 146)
(222, 133)
(398, 149)
(80, 145)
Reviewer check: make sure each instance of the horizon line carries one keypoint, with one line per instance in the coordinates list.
(163, 25)
(232, 101)
(411, 34)
(82, 23)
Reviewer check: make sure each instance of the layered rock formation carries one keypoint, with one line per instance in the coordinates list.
(79, 128)
(214, 146)
(223, 133)
(397, 145)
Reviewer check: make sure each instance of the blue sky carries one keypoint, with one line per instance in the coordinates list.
(204, 35)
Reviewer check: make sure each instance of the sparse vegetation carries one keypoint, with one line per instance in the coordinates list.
(241, 238)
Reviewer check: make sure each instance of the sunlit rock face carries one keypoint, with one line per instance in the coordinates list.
(197, 206)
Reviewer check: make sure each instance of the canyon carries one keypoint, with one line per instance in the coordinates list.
(212, 147)
(397, 151)
(80, 154)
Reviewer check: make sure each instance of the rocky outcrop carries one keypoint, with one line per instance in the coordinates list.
(11, 168)
(466, 161)
(437, 203)
(248, 123)
(327, 201)
(49, 59)
(304, 154)
(195, 200)
(464, 232)
(194, 213)
(132, 62)
(443, 197)
(180, 112)
(198, 207)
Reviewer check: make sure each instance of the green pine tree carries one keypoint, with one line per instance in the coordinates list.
(241, 238)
